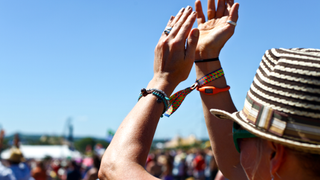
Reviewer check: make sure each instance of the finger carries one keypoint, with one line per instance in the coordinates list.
(200, 16)
(211, 9)
(229, 6)
(192, 44)
(170, 21)
(230, 3)
(186, 27)
(182, 20)
(234, 12)
(168, 25)
(176, 19)
(220, 9)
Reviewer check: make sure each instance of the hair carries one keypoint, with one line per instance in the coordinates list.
(96, 161)
(259, 148)
(40, 164)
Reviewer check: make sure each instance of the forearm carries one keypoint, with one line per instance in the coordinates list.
(131, 144)
(139, 125)
(220, 131)
(126, 155)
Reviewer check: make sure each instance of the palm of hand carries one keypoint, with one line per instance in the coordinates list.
(214, 34)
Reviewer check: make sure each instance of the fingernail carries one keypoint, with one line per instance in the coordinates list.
(182, 9)
(188, 7)
(171, 18)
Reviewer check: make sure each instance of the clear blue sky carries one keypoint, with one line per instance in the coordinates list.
(89, 59)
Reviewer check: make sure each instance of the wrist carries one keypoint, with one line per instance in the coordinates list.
(206, 54)
(207, 67)
(204, 68)
(162, 85)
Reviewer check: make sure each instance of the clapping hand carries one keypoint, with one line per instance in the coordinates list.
(216, 31)
(173, 60)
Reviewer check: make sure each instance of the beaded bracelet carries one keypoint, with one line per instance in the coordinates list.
(161, 96)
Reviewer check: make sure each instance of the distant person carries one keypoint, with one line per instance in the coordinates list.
(211, 164)
(154, 167)
(189, 159)
(166, 162)
(6, 173)
(74, 171)
(20, 169)
(199, 166)
(179, 166)
(92, 173)
(39, 172)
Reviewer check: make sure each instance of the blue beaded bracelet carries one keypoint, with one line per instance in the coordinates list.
(161, 97)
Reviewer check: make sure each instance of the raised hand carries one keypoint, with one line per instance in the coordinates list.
(173, 60)
(216, 31)
(126, 155)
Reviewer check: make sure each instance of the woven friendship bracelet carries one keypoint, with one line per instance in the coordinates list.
(177, 98)
(210, 77)
(161, 97)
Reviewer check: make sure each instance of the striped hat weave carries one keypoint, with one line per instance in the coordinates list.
(283, 103)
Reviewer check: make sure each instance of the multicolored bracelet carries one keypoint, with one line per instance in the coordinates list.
(177, 98)
(172, 104)
(161, 96)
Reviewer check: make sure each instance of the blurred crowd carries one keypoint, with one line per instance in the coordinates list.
(16, 167)
(174, 164)
(193, 164)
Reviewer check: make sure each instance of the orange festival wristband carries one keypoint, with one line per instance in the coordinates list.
(211, 90)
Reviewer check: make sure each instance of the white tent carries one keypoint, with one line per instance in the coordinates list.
(39, 152)
(178, 141)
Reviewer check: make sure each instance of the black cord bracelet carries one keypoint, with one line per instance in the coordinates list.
(207, 60)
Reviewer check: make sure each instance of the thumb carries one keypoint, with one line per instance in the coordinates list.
(192, 44)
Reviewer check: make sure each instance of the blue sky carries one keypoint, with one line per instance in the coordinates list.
(88, 60)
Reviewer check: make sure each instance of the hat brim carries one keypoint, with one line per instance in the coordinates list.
(301, 146)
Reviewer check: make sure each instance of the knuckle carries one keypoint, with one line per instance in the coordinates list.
(186, 26)
(161, 44)
(158, 47)
(178, 24)
(175, 44)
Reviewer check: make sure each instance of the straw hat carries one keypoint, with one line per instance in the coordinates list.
(16, 156)
(283, 103)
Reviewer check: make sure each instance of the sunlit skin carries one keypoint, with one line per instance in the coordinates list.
(259, 159)
(126, 155)
(215, 32)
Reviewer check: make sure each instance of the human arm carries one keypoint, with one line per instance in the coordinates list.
(1, 138)
(126, 155)
(214, 33)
